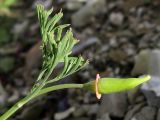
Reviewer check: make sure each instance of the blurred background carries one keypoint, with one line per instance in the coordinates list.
(121, 38)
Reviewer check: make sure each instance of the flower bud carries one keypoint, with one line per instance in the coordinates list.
(113, 85)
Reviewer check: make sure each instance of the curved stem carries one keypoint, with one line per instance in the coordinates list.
(28, 98)
(58, 87)
(14, 108)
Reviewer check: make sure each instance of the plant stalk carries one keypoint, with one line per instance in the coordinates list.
(58, 87)
(28, 98)
(14, 108)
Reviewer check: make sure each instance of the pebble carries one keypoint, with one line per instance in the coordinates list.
(147, 113)
(142, 63)
(93, 109)
(85, 14)
(116, 18)
(158, 115)
(117, 55)
(104, 117)
(151, 90)
(64, 115)
(133, 111)
(114, 104)
(74, 4)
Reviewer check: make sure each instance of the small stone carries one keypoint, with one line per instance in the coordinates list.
(142, 63)
(85, 14)
(113, 42)
(78, 118)
(133, 111)
(147, 113)
(86, 44)
(133, 94)
(73, 4)
(82, 110)
(147, 62)
(104, 117)
(117, 55)
(151, 90)
(158, 115)
(64, 115)
(131, 4)
(116, 18)
(114, 104)
(93, 109)
(45, 3)
(20, 28)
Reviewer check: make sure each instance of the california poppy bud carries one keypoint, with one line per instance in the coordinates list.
(113, 85)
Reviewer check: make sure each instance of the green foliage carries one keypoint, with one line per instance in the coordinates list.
(56, 48)
(5, 6)
(7, 3)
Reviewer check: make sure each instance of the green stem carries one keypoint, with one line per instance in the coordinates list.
(14, 108)
(57, 87)
(25, 100)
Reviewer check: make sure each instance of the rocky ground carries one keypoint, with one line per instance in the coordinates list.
(120, 38)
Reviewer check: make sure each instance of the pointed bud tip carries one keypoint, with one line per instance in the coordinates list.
(148, 77)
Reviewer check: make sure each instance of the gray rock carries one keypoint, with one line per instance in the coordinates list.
(78, 118)
(64, 115)
(116, 18)
(114, 104)
(104, 117)
(133, 94)
(158, 115)
(133, 111)
(46, 3)
(86, 110)
(147, 62)
(85, 14)
(20, 28)
(93, 109)
(151, 90)
(85, 44)
(81, 110)
(147, 113)
(154, 66)
(117, 55)
(141, 63)
(73, 4)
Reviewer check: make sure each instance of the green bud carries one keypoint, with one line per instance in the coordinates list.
(113, 85)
